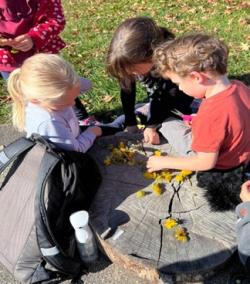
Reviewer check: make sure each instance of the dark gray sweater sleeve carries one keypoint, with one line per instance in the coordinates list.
(128, 104)
(243, 233)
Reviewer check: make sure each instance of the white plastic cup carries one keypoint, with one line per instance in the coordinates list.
(85, 239)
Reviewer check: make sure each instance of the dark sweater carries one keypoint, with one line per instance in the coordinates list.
(163, 95)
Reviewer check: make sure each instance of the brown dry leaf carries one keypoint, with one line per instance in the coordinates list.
(107, 98)
(244, 21)
(245, 4)
(75, 31)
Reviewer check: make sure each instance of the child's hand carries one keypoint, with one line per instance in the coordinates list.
(188, 119)
(6, 41)
(156, 163)
(96, 130)
(245, 191)
(151, 136)
(23, 43)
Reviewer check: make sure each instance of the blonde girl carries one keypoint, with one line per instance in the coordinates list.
(43, 91)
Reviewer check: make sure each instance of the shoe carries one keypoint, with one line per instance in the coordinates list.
(89, 121)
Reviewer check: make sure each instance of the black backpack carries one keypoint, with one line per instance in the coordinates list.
(41, 187)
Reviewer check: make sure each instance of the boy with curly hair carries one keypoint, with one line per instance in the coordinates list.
(220, 131)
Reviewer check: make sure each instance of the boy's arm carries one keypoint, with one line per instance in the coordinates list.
(49, 22)
(199, 162)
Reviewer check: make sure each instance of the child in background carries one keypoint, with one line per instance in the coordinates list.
(43, 91)
(30, 27)
(26, 28)
(243, 226)
(220, 131)
(130, 59)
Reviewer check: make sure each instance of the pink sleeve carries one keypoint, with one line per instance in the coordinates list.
(49, 22)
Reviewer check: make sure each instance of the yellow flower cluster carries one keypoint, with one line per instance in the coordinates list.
(167, 176)
(120, 155)
(157, 189)
(183, 175)
(180, 233)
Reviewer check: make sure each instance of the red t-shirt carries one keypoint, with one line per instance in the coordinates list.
(223, 124)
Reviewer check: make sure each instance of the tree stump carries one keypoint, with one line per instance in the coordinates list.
(130, 229)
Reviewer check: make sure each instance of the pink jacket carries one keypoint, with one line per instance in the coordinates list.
(42, 20)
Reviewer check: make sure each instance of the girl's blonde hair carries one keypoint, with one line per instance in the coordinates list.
(44, 78)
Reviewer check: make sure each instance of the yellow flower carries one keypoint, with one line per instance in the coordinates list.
(179, 178)
(182, 175)
(167, 176)
(157, 189)
(157, 153)
(140, 193)
(170, 223)
(148, 175)
(186, 173)
(181, 234)
(107, 161)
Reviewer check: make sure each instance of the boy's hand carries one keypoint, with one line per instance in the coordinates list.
(96, 130)
(156, 163)
(151, 136)
(245, 191)
(23, 43)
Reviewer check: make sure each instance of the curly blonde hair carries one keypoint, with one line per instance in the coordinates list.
(192, 52)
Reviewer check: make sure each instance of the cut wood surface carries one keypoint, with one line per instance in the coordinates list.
(130, 228)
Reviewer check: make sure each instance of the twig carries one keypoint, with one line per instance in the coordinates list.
(143, 149)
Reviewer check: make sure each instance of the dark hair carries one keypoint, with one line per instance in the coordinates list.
(192, 52)
(133, 43)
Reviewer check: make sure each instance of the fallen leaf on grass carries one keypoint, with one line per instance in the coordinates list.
(244, 46)
(107, 99)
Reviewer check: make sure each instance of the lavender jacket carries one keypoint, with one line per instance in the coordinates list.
(60, 127)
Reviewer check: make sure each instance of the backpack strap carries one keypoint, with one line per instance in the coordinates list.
(49, 247)
(13, 150)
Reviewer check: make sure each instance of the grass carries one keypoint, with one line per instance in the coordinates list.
(91, 23)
